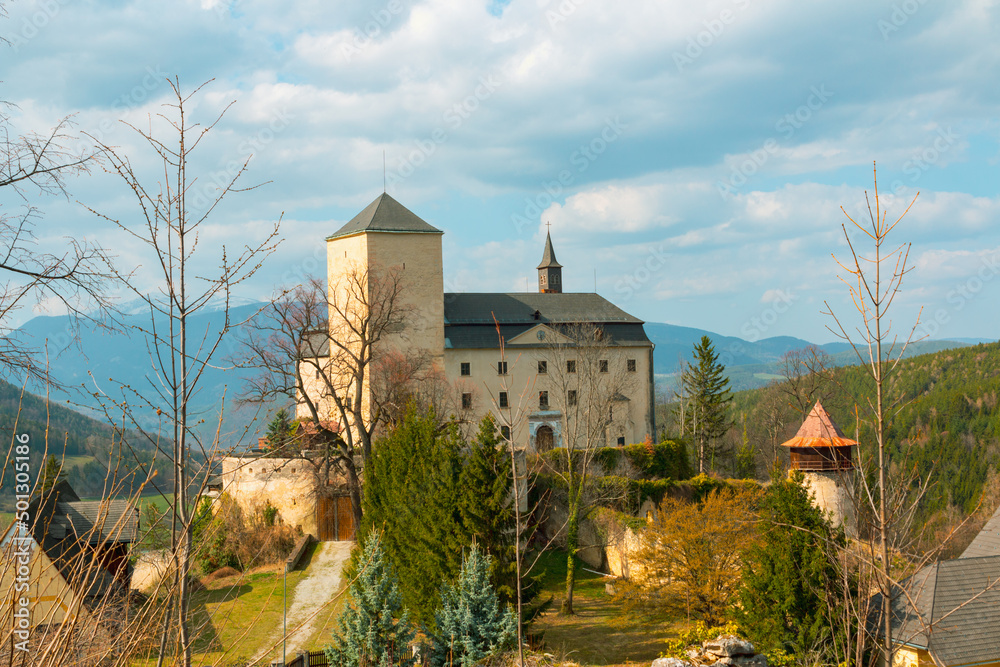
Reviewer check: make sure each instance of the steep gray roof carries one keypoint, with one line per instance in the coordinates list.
(987, 542)
(99, 521)
(956, 611)
(385, 214)
(549, 255)
(520, 308)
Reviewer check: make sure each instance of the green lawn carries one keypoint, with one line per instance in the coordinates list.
(598, 633)
(238, 616)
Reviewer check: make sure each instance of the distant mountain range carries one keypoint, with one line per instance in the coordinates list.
(87, 365)
(101, 367)
(754, 364)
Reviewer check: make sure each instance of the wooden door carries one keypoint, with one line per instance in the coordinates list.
(345, 518)
(326, 518)
(544, 438)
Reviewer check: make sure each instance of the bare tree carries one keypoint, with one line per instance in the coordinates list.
(333, 351)
(169, 224)
(588, 382)
(874, 281)
(808, 377)
(72, 278)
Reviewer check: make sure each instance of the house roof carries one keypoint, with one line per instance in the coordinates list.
(549, 255)
(819, 430)
(955, 611)
(385, 214)
(98, 521)
(987, 542)
(468, 319)
(521, 308)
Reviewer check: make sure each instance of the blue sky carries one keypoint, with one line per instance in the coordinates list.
(695, 155)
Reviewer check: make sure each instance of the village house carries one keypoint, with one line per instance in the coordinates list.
(79, 554)
(949, 614)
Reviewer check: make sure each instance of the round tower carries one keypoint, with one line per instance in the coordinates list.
(825, 456)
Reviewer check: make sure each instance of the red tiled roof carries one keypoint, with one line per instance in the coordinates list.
(818, 430)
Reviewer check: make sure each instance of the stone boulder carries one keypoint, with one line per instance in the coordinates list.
(723, 651)
(670, 662)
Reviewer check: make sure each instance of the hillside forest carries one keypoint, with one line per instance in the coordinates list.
(944, 427)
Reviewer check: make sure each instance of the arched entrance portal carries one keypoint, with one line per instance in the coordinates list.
(544, 438)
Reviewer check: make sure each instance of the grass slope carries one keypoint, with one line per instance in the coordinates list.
(598, 633)
(237, 616)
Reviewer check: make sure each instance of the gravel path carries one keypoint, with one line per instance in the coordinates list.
(321, 584)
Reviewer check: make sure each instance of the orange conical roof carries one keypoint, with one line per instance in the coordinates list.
(818, 430)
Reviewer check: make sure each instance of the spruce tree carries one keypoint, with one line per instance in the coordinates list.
(789, 588)
(707, 390)
(472, 624)
(373, 629)
(279, 432)
(51, 475)
(485, 504)
(411, 495)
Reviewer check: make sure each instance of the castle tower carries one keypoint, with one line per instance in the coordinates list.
(388, 240)
(549, 271)
(826, 458)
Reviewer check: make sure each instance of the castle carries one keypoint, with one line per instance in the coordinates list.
(553, 367)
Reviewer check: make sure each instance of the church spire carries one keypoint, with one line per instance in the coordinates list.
(549, 270)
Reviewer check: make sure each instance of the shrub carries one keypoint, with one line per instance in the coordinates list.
(227, 536)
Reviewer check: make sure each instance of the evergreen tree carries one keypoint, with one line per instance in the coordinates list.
(707, 400)
(788, 594)
(52, 474)
(373, 629)
(471, 624)
(279, 432)
(485, 505)
(411, 495)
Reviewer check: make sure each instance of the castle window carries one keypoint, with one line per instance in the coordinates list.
(502, 400)
(543, 367)
(466, 368)
(571, 397)
(501, 368)
(466, 401)
(543, 400)
(571, 366)
(505, 432)
(602, 365)
(630, 365)
(621, 441)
